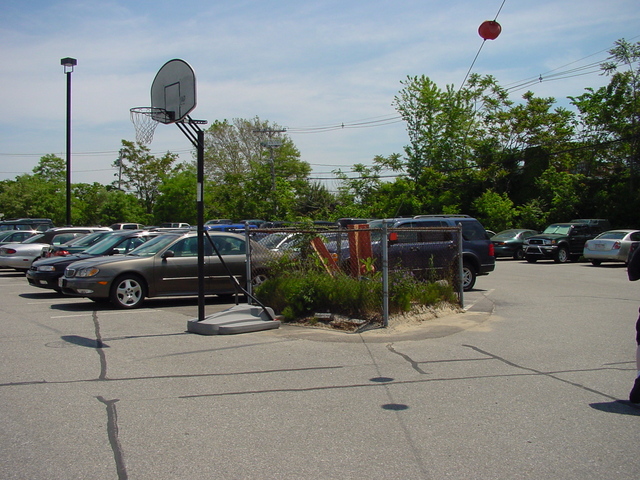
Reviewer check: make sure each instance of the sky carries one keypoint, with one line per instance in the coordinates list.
(327, 71)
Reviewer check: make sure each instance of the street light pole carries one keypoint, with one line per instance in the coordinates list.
(68, 64)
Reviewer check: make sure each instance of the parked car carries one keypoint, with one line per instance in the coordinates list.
(610, 246)
(77, 245)
(164, 266)
(20, 256)
(219, 221)
(478, 256)
(46, 272)
(509, 243)
(40, 224)
(422, 250)
(127, 226)
(563, 242)
(174, 225)
(16, 236)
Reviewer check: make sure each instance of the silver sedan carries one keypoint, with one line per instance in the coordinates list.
(610, 246)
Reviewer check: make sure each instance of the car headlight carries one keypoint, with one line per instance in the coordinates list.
(46, 268)
(526, 242)
(87, 272)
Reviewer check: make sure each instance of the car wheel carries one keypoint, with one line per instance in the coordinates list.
(562, 255)
(258, 279)
(468, 277)
(518, 254)
(596, 263)
(531, 259)
(128, 291)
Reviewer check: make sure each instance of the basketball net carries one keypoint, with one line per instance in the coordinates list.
(145, 120)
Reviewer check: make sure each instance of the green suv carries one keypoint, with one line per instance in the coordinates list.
(563, 242)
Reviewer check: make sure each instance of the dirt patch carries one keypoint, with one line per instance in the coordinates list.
(398, 323)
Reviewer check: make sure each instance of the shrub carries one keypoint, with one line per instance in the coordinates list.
(299, 291)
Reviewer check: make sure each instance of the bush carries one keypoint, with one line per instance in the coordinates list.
(300, 292)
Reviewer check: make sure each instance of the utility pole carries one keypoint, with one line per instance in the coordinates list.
(272, 143)
(119, 163)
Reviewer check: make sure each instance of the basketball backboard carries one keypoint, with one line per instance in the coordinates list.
(174, 91)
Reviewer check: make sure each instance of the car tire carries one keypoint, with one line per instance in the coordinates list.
(596, 263)
(561, 255)
(468, 277)
(518, 254)
(127, 291)
(258, 279)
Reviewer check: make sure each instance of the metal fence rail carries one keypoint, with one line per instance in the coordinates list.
(358, 274)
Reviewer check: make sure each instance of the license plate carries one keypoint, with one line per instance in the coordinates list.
(599, 246)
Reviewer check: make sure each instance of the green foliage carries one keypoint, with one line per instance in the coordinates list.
(470, 150)
(143, 173)
(495, 211)
(299, 290)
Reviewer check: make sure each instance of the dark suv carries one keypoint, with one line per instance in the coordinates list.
(421, 247)
(563, 242)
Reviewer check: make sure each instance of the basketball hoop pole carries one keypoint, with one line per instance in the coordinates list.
(195, 134)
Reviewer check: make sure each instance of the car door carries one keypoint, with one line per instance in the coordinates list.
(578, 237)
(177, 273)
(233, 253)
(418, 249)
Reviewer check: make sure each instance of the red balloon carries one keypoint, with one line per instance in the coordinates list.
(489, 30)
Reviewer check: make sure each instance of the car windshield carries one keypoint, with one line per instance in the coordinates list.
(612, 235)
(104, 245)
(506, 234)
(559, 229)
(34, 239)
(154, 245)
(85, 240)
(273, 240)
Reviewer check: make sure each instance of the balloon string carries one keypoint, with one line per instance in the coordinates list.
(472, 64)
(499, 10)
(480, 49)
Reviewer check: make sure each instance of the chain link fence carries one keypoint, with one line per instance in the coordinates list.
(354, 277)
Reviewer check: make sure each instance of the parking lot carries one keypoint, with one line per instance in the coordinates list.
(529, 383)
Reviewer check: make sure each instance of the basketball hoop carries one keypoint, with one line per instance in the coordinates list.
(145, 120)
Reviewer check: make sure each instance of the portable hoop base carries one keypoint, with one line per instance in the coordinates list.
(237, 319)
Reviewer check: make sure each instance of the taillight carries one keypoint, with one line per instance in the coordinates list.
(616, 246)
(10, 251)
(492, 250)
(60, 253)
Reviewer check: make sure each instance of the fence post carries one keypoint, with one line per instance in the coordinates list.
(385, 276)
(460, 262)
(248, 271)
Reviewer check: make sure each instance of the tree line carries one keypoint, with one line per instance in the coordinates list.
(470, 150)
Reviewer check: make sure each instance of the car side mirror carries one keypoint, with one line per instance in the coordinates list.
(168, 254)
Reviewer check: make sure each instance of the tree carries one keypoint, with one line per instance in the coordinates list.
(177, 197)
(253, 170)
(143, 173)
(611, 116)
(40, 195)
(495, 211)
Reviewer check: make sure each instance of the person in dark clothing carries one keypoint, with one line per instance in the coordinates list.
(633, 271)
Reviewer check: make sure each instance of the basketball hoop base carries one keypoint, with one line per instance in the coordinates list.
(237, 319)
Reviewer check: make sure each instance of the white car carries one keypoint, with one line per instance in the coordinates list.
(20, 256)
(610, 246)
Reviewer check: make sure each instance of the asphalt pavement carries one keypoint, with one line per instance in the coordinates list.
(530, 382)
